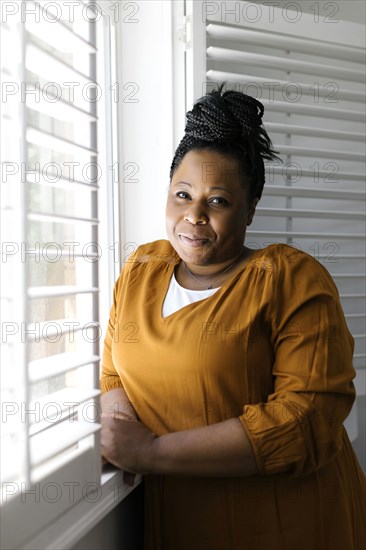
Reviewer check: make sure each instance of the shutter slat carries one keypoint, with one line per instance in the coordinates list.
(336, 177)
(64, 436)
(343, 257)
(355, 315)
(324, 214)
(352, 295)
(54, 291)
(272, 85)
(348, 276)
(294, 129)
(313, 110)
(296, 44)
(63, 109)
(66, 253)
(284, 64)
(57, 407)
(48, 367)
(45, 64)
(293, 150)
(50, 141)
(306, 235)
(60, 182)
(60, 34)
(49, 217)
(311, 192)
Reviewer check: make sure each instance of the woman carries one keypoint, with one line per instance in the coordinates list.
(227, 372)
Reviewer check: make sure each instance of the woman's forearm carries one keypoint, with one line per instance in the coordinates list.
(218, 450)
(117, 402)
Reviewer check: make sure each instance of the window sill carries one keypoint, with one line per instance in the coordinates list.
(72, 526)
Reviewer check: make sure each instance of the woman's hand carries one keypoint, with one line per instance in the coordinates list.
(128, 477)
(116, 402)
(127, 443)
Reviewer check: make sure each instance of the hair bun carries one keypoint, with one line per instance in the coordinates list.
(227, 117)
(229, 123)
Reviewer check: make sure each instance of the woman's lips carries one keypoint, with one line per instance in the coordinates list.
(193, 243)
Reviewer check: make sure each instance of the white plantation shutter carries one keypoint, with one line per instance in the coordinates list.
(55, 73)
(310, 78)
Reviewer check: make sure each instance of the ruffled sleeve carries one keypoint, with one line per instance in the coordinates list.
(299, 428)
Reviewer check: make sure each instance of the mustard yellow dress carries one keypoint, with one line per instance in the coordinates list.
(270, 347)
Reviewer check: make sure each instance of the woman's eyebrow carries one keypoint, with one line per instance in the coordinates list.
(211, 188)
(222, 189)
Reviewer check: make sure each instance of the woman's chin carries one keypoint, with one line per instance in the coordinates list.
(197, 255)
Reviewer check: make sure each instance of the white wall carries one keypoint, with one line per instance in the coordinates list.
(146, 125)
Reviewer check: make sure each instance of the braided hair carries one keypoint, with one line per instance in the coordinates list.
(230, 124)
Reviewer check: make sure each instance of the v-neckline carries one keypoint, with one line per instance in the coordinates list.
(170, 273)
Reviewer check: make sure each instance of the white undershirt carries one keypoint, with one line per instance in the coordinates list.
(178, 297)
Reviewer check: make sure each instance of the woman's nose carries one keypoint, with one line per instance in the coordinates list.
(195, 215)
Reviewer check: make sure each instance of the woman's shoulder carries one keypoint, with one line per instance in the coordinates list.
(295, 266)
(155, 251)
(145, 257)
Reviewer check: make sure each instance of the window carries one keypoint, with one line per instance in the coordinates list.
(57, 149)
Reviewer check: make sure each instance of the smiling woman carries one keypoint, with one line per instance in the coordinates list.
(207, 215)
(232, 398)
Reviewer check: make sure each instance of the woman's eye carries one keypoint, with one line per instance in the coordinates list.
(219, 201)
(182, 195)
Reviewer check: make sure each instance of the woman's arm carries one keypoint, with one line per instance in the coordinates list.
(221, 449)
(218, 450)
(116, 402)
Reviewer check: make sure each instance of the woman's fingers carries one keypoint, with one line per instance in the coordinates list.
(127, 443)
(129, 478)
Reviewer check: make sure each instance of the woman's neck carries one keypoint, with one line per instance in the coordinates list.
(198, 277)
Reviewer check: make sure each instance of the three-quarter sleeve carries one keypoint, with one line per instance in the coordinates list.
(299, 428)
(110, 378)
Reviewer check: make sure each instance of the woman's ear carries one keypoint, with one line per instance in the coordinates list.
(252, 211)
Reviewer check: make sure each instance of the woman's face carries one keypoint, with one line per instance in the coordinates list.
(207, 209)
